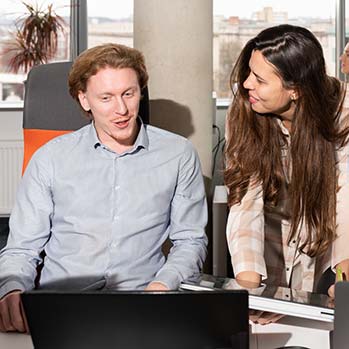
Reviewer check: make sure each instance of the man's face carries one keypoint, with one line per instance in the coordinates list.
(113, 96)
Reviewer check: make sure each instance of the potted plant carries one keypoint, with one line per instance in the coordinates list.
(35, 39)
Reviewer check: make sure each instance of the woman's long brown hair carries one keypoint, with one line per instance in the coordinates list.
(255, 141)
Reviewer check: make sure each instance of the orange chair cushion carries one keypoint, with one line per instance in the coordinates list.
(34, 139)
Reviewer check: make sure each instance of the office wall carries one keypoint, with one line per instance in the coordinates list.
(11, 155)
(176, 39)
(11, 125)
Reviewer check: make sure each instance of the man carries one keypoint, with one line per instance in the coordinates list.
(101, 201)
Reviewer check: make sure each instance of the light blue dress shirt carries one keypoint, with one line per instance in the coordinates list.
(102, 217)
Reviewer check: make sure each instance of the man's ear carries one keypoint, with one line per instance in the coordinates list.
(83, 101)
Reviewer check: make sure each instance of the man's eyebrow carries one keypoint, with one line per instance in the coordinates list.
(104, 93)
(107, 92)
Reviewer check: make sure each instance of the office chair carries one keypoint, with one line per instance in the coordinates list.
(49, 110)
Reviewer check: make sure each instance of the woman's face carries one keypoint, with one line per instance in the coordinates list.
(344, 58)
(265, 88)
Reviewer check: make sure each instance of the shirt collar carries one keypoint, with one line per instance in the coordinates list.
(142, 140)
(284, 129)
(93, 136)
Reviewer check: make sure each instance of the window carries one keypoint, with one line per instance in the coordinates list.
(12, 12)
(110, 21)
(346, 21)
(235, 22)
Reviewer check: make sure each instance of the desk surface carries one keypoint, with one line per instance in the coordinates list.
(15, 341)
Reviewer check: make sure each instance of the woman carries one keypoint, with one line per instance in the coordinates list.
(287, 162)
(344, 58)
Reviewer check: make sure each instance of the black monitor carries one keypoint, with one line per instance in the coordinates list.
(134, 320)
(341, 316)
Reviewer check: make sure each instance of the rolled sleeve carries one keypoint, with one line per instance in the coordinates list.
(245, 233)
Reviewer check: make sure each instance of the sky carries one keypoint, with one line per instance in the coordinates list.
(241, 8)
(16, 7)
(99, 8)
(111, 8)
(295, 8)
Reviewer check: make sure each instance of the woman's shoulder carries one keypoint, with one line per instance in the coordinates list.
(344, 114)
(346, 97)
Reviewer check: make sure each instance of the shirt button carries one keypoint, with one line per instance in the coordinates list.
(117, 187)
(287, 269)
(113, 245)
(115, 218)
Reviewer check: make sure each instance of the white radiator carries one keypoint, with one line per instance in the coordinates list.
(11, 157)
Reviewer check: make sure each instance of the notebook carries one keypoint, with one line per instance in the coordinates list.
(133, 320)
(341, 318)
(274, 299)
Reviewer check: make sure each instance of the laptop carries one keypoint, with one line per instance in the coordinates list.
(270, 298)
(139, 319)
(341, 317)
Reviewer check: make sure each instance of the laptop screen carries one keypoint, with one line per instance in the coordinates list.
(133, 320)
(270, 298)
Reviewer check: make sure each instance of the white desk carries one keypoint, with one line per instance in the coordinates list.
(291, 331)
(15, 341)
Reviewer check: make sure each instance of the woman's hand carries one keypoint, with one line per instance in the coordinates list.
(249, 278)
(344, 267)
(264, 317)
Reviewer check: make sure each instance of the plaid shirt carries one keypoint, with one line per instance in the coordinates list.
(257, 237)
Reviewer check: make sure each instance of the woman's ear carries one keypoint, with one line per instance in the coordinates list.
(294, 95)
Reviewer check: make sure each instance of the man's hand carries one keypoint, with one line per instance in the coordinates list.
(156, 286)
(12, 317)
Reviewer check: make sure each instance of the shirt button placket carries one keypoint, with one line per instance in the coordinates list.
(116, 187)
